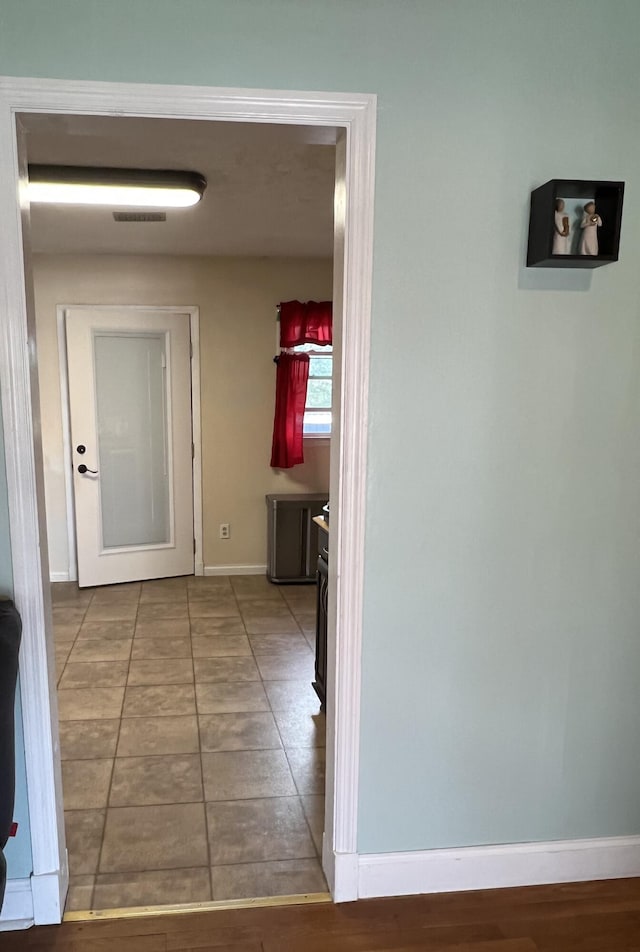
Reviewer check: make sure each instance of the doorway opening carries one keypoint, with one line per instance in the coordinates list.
(339, 838)
(185, 702)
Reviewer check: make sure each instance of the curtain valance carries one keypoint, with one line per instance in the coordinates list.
(308, 323)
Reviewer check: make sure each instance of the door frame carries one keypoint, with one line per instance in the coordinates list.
(353, 114)
(193, 314)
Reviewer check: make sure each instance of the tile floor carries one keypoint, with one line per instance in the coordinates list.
(192, 743)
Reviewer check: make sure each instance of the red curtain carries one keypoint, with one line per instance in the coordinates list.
(308, 323)
(291, 396)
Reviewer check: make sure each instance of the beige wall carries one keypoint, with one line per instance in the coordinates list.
(237, 299)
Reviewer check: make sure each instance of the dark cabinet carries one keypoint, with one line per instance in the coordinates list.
(320, 683)
(292, 536)
(322, 598)
(10, 634)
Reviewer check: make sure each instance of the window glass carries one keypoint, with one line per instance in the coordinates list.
(317, 417)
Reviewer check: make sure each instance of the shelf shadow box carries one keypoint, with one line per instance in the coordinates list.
(575, 193)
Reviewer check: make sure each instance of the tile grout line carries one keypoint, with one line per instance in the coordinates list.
(93, 885)
(55, 646)
(262, 683)
(284, 749)
(272, 859)
(115, 756)
(120, 720)
(73, 643)
(204, 800)
(299, 794)
(245, 799)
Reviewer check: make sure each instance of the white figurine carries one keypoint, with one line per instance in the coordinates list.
(560, 229)
(590, 223)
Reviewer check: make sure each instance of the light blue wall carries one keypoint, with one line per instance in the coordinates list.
(501, 654)
(18, 849)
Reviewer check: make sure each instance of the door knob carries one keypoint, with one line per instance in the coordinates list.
(82, 469)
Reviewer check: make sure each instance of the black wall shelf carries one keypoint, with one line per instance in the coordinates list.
(576, 193)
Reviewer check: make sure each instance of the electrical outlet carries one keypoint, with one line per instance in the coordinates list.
(225, 530)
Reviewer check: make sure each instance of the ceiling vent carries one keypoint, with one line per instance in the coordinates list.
(139, 216)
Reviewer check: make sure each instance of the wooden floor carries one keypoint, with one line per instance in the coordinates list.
(585, 917)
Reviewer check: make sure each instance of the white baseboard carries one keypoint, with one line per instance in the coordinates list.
(59, 577)
(17, 909)
(235, 569)
(200, 569)
(493, 867)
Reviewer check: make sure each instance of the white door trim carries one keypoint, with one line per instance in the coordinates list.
(356, 114)
(67, 462)
(194, 323)
(17, 909)
(196, 430)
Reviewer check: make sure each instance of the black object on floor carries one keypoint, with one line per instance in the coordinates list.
(10, 634)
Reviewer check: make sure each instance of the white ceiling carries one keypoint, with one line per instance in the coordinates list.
(269, 192)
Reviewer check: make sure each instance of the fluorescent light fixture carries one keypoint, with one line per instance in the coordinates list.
(115, 188)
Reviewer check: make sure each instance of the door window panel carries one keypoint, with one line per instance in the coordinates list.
(133, 439)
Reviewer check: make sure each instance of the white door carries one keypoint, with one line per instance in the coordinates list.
(130, 409)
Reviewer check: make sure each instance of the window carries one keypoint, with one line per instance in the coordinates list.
(317, 414)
